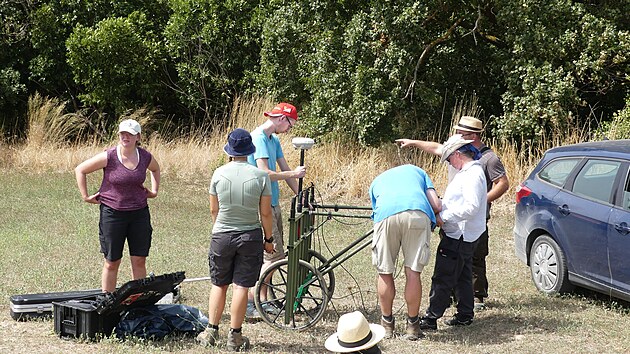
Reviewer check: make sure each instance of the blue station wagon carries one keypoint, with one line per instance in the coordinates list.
(572, 220)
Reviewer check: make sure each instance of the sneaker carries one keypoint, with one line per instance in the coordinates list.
(236, 342)
(427, 323)
(251, 312)
(413, 332)
(209, 337)
(389, 328)
(454, 321)
(270, 308)
(479, 304)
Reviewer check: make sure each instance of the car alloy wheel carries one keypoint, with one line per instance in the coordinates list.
(548, 266)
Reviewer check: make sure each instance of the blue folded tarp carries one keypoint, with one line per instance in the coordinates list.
(158, 321)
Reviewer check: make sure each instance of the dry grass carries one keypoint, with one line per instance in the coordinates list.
(342, 171)
(48, 124)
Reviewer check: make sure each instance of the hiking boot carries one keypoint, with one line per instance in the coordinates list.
(209, 337)
(251, 312)
(427, 323)
(479, 304)
(236, 342)
(454, 321)
(412, 332)
(270, 308)
(389, 327)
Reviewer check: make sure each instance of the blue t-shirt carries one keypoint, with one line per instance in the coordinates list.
(267, 147)
(399, 189)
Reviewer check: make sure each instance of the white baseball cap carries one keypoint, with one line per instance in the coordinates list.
(130, 126)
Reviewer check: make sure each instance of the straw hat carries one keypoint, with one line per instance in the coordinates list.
(469, 124)
(354, 333)
(452, 144)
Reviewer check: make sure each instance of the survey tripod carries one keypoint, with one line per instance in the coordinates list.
(300, 286)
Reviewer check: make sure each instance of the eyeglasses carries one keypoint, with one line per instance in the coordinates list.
(448, 159)
(289, 121)
(463, 134)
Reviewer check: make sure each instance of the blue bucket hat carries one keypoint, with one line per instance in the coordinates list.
(239, 143)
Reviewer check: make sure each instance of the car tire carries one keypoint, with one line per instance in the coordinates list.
(548, 266)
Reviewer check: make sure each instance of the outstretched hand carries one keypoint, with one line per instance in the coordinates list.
(403, 143)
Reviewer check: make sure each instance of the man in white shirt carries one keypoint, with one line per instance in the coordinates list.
(462, 221)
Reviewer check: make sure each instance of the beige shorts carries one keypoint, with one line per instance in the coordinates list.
(278, 237)
(408, 230)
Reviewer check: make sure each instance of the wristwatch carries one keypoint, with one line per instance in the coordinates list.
(269, 240)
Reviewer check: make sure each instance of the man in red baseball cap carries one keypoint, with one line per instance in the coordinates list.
(283, 109)
(270, 158)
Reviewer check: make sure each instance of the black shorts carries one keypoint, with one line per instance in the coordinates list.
(116, 226)
(236, 257)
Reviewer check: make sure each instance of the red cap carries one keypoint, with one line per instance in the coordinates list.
(283, 109)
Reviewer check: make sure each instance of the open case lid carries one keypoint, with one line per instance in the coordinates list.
(140, 292)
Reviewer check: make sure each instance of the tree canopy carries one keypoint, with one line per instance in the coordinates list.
(366, 71)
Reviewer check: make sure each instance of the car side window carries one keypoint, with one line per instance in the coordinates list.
(596, 180)
(557, 172)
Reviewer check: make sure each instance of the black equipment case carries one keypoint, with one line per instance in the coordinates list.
(31, 306)
(98, 317)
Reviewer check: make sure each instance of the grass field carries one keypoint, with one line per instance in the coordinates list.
(49, 242)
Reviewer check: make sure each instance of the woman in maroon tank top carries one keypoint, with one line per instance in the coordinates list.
(122, 198)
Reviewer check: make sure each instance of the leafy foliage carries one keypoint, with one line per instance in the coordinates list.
(214, 45)
(118, 61)
(365, 71)
(568, 62)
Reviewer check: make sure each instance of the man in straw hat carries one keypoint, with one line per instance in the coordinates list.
(355, 335)
(240, 205)
(497, 184)
(404, 204)
(270, 158)
(462, 221)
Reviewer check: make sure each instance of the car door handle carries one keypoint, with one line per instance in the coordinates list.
(564, 210)
(623, 228)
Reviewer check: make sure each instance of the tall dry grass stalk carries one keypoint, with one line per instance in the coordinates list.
(341, 172)
(48, 124)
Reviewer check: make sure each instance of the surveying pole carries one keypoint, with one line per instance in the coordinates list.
(303, 144)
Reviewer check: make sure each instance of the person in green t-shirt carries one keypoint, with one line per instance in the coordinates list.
(240, 203)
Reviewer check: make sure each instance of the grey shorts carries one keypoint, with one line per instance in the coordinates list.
(236, 257)
(409, 231)
(278, 237)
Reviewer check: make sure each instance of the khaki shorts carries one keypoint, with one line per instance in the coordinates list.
(408, 230)
(278, 238)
